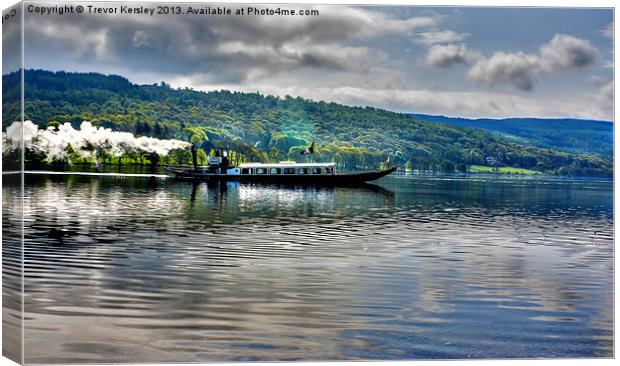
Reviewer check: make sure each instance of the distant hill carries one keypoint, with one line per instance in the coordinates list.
(571, 135)
(269, 128)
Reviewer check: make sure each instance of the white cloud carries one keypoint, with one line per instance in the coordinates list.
(607, 91)
(444, 56)
(471, 104)
(565, 52)
(439, 36)
(407, 25)
(520, 69)
(608, 31)
(140, 39)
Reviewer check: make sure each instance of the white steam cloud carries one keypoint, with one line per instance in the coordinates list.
(86, 141)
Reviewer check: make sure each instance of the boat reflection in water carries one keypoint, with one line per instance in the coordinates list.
(233, 199)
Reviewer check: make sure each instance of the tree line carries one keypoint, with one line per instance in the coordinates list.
(256, 127)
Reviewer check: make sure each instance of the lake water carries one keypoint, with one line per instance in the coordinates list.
(127, 269)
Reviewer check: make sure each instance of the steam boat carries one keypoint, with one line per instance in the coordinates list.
(284, 172)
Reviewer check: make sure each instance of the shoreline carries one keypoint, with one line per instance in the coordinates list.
(459, 176)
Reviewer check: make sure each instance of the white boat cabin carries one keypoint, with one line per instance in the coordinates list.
(284, 168)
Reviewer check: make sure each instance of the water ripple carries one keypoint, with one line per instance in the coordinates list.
(134, 270)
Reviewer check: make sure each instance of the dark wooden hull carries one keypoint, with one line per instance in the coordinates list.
(339, 179)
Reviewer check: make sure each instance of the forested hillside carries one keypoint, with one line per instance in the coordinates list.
(259, 127)
(572, 135)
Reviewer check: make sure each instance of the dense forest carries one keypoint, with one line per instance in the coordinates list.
(256, 127)
(571, 135)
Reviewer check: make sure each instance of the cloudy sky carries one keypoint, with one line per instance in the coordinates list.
(458, 61)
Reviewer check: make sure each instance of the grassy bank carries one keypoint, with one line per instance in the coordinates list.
(501, 170)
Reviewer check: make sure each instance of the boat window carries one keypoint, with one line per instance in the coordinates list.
(246, 171)
(316, 170)
(304, 170)
(261, 170)
(289, 170)
(274, 171)
(329, 170)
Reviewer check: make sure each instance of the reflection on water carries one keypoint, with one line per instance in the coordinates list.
(12, 228)
(144, 270)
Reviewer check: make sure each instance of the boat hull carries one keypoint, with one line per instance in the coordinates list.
(311, 179)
